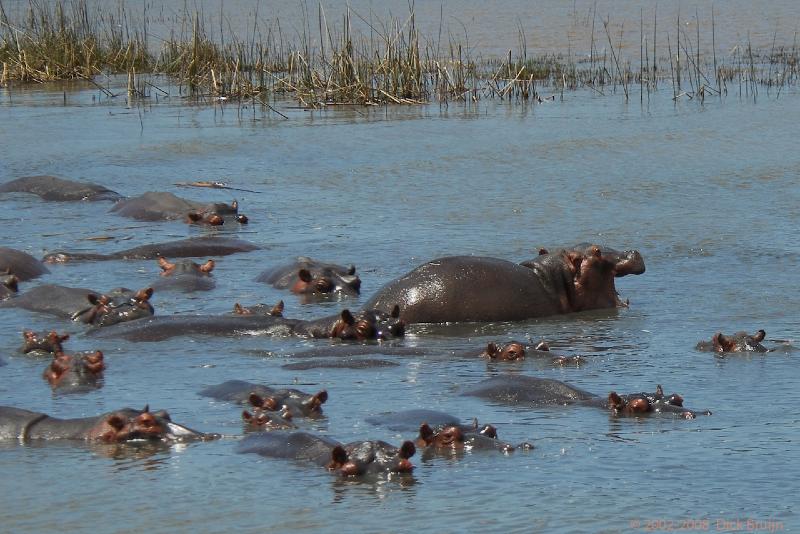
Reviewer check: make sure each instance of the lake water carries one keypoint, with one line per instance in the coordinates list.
(708, 194)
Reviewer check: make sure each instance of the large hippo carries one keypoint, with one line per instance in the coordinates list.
(114, 427)
(185, 275)
(85, 305)
(194, 247)
(738, 342)
(20, 264)
(58, 189)
(533, 391)
(159, 206)
(471, 288)
(364, 325)
(352, 459)
(288, 401)
(75, 372)
(9, 285)
(313, 278)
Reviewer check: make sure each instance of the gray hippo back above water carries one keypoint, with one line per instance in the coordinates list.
(194, 247)
(20, 264)
(58, 189)
(482, 289)
(160, 206)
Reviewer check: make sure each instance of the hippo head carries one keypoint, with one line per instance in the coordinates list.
(186, 266)
(260, 309)
(116, 307)
(309, 405)
(75, 370)
(449, 437)
(371, 457)
(47, 343)
(141, 425)
(328, 282)
(511, 351)
(210, 219)
(368, 324)
(261, 420)
(738, 342)
(593, 279)
(658, 402)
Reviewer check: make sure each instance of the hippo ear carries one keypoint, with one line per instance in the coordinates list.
(348, 318)
(492, 350)
(322, 396)
(277, 310)
(255, 400)
(207, 267)
(146, 408)
(164, 264)
(29, 335)
(351, 270)
(407, 450)
(395, 311)
(659, 391)
(235, 204)
(246, 416)
(115, 421)
(304, 275)
(194, 217)
(614, 400)
(489, 431)
(543, 251)
(92, 298)
(425, 433)
(143, 295)
(722, 343)
(759, 337)
(543, 346)
(237, 309)
(338, 457)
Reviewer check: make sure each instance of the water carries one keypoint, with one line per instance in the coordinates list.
(708, 194)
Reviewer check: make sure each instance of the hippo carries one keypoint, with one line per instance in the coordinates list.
(738, 342)
(20, 264)
(159, 206)
(291, 401)
(343, 363)
(185, 275)
(313, 278)
(534, 392)
(120, 426)
(364, 325)
(9, 285)
(194, 247)
(261, 420)
(628, 261)
(58, 189)
(352, 459)
(483, 289)
(75, 372)
(516, 351)
(85, 305)
(44, 344)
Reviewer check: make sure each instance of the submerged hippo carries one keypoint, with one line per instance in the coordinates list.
(114, 427)
(85, 305)
(159, 206)
(75, 372)
(533, 391)
(291, 402)
(364, 325)
(185, 275)
(195, 247)
(58, 189)
(9, 285)
(516, 351)
(49, 343)
(20, 264)
(313, 278)
(351, 459)
(470, 288)
(738, 342)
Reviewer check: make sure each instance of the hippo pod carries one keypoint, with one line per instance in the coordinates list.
(482, 289)
(535, 392)
(364, 325)
(351, 459)
(36, 344)
(115, 427)
(185, 275)
(287, 402)
(75, 372)
(58, 189)
(313, 278)
(194, 247)
(159, 206)
(85, 305)
(20, 264)
(738, 342)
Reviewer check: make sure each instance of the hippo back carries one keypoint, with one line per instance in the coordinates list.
(528, 390)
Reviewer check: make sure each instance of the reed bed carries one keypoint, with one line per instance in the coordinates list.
(389, 63)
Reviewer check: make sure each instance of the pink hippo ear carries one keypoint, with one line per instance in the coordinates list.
(144, 295)
(165, 265)
(277, 310)
(239, 310)
(208, 266)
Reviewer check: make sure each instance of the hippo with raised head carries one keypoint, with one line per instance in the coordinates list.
(9, 285)
(352, 459)
(265, 398)
(42, 344)
(75, 372)
(482, 289)
(533, 391)
(159, 206)
(85, 305)
(58, 189)
(114, 427)
(20, 264)
(362, 326)
(313, 278)
(738, 342)
(194, 247)
(185, 275)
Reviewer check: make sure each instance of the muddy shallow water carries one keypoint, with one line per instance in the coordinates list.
(708, 195)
